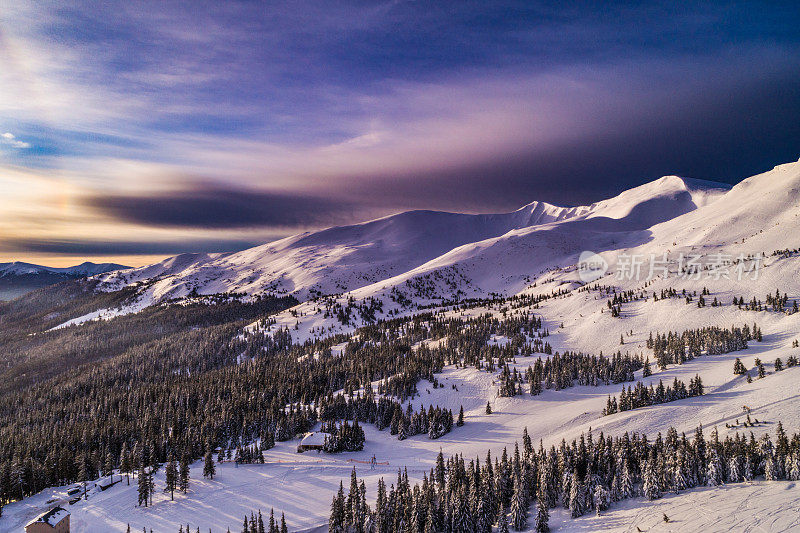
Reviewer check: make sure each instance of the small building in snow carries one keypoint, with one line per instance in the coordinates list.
(312, 441)
(55, 520)
(107, 482)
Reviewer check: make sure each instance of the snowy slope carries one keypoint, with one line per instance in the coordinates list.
(759, 214)
(301, 485)
(671, 215)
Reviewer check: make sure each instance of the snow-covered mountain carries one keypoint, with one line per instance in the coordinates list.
(19, 268)
(420, 258)
(346, 258)
(18, 278)
(758, 215)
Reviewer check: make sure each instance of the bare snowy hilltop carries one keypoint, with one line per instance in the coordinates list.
(629, 365)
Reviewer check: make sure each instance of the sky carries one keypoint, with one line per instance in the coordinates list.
(132, 130)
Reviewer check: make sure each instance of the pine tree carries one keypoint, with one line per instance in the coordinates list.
(502, 521)
(747, 469)
(171, 477)
(439, 470)
(484, 516)
(151, 485)
(402, 432)
(734, 469)
(430, 528)
(460, 421)
(542, 513)
(143, 486)
(125, 465)
(646, 371)
(651, 486)
(108, 466)
(84, 468)
(488, 408)
(461, 514)
(601, 499)
(679, 481)
(519, 507)
(336, 523)
(353, 501)
(626, 481)
(208, 465)
(770, 468)
(183, 475)
(714, 470)
(793, 466)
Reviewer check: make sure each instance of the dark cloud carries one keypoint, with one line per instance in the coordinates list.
(105, 248)
(724, 131)
(214, 206)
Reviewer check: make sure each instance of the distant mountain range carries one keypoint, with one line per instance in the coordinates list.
(18, 278)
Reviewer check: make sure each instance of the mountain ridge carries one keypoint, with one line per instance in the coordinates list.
(18, 278)
(345, 258)
(87, 268)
